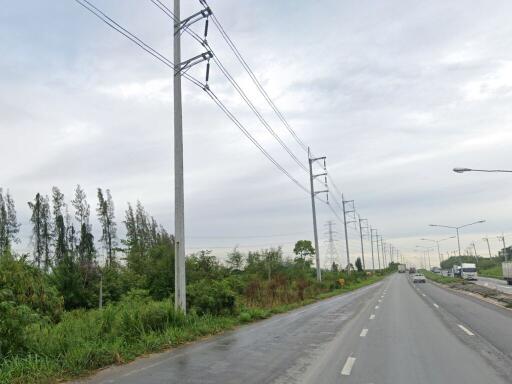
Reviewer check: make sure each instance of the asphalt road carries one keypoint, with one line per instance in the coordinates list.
(500, 285)
(391, 332)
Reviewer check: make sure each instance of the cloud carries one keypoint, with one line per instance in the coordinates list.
(394, 94)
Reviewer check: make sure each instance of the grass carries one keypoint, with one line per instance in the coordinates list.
(441, 279)
(87, 340)
(494, 271)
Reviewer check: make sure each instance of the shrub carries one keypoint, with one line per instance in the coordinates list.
(214, 297)
(14, 319)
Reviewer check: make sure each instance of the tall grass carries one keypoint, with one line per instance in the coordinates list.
(85, 340)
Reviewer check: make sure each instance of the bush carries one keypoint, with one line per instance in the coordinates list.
(14, 319)
(213, 297)
(29, 286)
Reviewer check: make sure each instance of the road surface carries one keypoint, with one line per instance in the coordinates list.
(392, 332)
(500, 285)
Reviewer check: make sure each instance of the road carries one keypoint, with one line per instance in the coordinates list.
(500, 285)
(391, 332)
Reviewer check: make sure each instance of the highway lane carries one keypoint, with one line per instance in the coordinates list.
(409, 341)
(275, 350)
(500, 285)
(491, 323)
(392, 332)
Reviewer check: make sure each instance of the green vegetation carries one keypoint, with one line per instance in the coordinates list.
(51, 327)
(441, 279)
(485, 266)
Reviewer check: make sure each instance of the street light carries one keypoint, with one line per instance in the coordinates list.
(427, 249)
(457, 229)
(437, 242)
(462, 170)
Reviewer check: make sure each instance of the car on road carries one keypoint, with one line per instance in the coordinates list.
(419, 278)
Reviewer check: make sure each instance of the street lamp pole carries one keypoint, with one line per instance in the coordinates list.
(457, 229)
(438, 248)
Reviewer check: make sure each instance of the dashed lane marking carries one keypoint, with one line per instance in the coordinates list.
(364, 332)
(376, 307)
(379, 300)
(372, 316)
(468, 332)
(347, 368)
(435, 305)
(423, 295)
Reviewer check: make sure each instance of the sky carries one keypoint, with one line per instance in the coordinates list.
(395, 94)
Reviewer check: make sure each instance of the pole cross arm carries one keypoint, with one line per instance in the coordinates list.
(320, 174)
(187, 64)
(324, 191)
(317, 158)
(202, 14)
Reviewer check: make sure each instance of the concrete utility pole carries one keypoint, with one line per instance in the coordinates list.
(486, 239)
(391, 252)
(343, 203)
(371, 242)
(361, 234)
(383, 252)
(180, 301)
(313, 208)
(502, 238)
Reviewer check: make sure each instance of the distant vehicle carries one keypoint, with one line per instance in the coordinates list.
(468, 271)
(401, 268)
(436, 270)
(456, 271)
(412, 270)
(419, 278)
(445, 272)
(507, 271)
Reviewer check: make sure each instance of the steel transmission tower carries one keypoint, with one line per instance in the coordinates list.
(332, 252)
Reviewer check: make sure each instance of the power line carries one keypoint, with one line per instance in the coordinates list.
(253, 77)
(147, 48)
(235, 85)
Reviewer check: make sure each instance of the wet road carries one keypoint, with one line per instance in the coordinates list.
(391, 332)
(500, 285)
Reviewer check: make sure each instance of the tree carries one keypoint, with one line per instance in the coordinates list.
(235, 260)
(36, 207)
(59, 233)
(85, 248)
(359, 264)
(46, 232)
(82, 207)
(9, 226)
(304, 250)
(105, 211)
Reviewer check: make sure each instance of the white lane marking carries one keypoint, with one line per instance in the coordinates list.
(486, 284)
(423, 295)
(466, 330)
(382, 296)
(435, 305)
(364, 332)
(372, 316)
(376, 307)
(347, 368)
(379, 300)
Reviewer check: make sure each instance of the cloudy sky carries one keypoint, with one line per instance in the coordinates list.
(395, 93)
